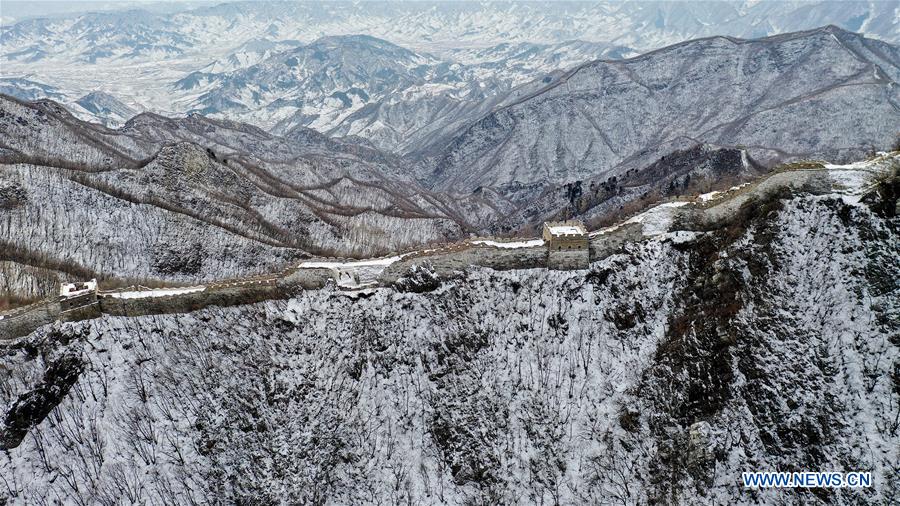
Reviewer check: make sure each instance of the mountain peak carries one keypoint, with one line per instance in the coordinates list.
(355, 42)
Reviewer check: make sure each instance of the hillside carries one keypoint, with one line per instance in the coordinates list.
(824, 93)
(186, 200)
(363, 86)
(765, 342)
(189, 199)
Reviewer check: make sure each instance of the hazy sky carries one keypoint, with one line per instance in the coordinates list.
(17, 10)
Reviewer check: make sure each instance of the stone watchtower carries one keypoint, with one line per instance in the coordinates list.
(73, 295)
(567, 245)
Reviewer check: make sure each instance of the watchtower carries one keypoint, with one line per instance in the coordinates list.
(567, 245)
(73, 295)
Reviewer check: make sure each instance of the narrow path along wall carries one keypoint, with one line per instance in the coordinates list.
(707, 213)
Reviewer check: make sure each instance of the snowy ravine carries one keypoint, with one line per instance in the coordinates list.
(657, 376)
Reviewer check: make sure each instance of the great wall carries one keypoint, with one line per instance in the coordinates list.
(676, 220)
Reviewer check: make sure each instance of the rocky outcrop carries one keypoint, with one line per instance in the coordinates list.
(33, 406)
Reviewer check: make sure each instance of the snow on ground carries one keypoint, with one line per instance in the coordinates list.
(853, 179)
(354, 273)
(850, 179)
(862, 164)
(530, 243)
(657, 220)
(603, 231)
(332, 264)
(679, 236)
(528, 377)
(566, 230)
(140, 294)
(706, 197)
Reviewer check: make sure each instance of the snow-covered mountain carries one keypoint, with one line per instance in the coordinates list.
(657, 376)
(363, 86)
(135, 56)
(105, 107)
(82, 199)
(79, 198)
(821, 93)
(249, 53)
(320, 82)
(95, 106)
(26, 89)
(638, 24)
(602, 141)
(736, 315)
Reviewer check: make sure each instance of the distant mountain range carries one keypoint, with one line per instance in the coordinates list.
(643, 25)
(368, 87)
(820, 93)
(346, 85)
(445, 63)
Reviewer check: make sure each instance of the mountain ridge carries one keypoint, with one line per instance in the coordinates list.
(463, 148)
(694, 356)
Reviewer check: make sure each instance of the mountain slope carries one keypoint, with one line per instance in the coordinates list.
(105, 106)
(132, 203)
(823, 93)
(485, 49)
(769, 343)
(319, 83)
(362, 86)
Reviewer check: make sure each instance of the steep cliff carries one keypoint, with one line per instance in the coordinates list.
(764, 341)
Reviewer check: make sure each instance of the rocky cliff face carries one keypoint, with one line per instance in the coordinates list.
(767, 342)
(823, 93)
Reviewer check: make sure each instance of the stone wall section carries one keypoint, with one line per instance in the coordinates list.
(569, 260)
(448, 261)
(444, 261)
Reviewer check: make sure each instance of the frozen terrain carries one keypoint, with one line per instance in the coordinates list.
(296, 203)
(187, 60)
(194, 199)
(768, 342)
(824, 93)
